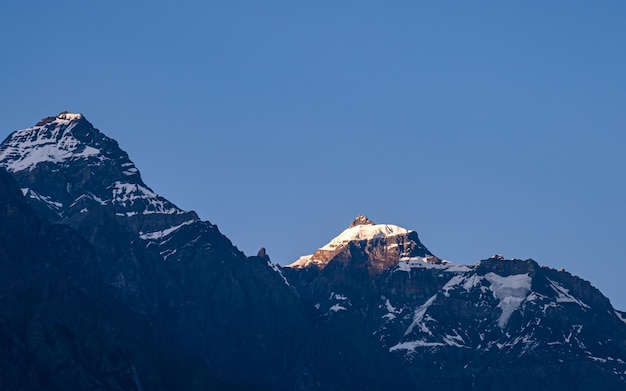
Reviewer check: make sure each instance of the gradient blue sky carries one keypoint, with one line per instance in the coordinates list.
(489, 127)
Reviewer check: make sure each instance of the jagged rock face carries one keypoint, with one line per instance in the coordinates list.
(368, 246)
(61, 327)
(498, 324)
(361, 220)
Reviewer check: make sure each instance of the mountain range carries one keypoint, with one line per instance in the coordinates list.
(108, 285)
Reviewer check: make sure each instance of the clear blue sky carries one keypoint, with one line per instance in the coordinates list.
(489, 127)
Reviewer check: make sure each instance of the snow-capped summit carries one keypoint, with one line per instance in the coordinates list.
(51, 140)
(83, 169)
(68, 115)
(62, 116)
(364, 232)
(383, 244)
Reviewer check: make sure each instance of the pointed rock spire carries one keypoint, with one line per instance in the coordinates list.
(262, 253)
(361, 220)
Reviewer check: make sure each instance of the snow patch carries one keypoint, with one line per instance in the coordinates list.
(90, 196)
(97, 199)
(534, 296)
(130, 192)
(391, 311)
(303, 261)
(389, 307)
(69, 116)
(47, 200)
(419, 314)
(405, 264)
(620, 316)
(364, 232)
(467, 283)
(167, 253)
(389, 316)
(130, 171)
(563, 295)
(454, 340)
(412, 345)
(454, 281)
(337, 308)
(29, 147)
(160, 234)
(127, 194)
(338, 296)
(511, 291)
(277, 269)
(456, 268)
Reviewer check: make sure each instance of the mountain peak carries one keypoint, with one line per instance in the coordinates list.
(64, 116)
(68, 115)
(83, 168)
(361, 220)
(383, 245)
(53, 140)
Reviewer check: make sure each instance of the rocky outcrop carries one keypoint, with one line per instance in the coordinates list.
(368, 246)
(361, 220)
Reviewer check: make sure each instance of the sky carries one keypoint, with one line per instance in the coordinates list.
(488, 127)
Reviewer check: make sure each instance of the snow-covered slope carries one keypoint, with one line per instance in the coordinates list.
(51, 140)
(364, 232)
(66, 167)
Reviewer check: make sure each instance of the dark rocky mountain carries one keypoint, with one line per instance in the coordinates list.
(499, 324)
(237, 315)
(124, 290)
(61, 327)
